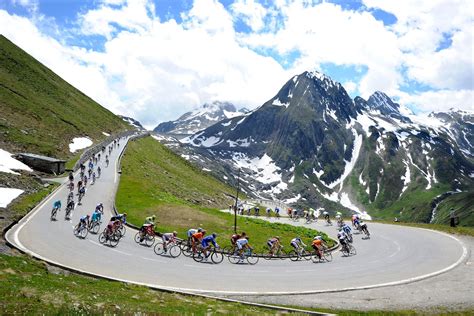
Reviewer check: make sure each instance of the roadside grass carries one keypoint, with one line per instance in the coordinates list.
(155, 181)
(28, 286)
(26, 203)
(72, 161)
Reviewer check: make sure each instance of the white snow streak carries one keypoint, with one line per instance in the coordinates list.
(79, 143)
(8, 163)
(7, 195)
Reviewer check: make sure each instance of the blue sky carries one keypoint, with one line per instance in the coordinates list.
(155, 59)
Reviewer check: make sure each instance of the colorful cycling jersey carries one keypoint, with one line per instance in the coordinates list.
(208, 240)
(347, 229)
(118, 217)
(168, 237)
(84, 218)
(71, 204)
(96, 215)
(57, 204)
(150, 220)
(235, 237)
(272, 240)
(341, 235)
(296, 241)
(242, 242)
(198, 235)
(82, 190)
(191, 232)
(317, 242)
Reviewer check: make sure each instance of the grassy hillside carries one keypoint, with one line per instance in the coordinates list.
(30, 287)
(463, 204)
(157, 181)
(42, 113)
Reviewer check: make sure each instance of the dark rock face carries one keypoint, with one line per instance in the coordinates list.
(312, 145)
(132, 121)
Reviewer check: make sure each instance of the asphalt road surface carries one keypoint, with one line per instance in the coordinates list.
(392, 255)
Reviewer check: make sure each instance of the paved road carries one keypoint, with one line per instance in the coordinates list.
(393, 254)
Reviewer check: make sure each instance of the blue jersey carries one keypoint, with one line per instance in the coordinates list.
(96, 216)
(57, 204)
(207, 240)
(346, 229)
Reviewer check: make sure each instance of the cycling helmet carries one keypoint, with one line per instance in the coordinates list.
(125, 214)
(175, 233)
(88, 216)
(315, 238)
(214, 235)
(318, 237)
(200, 229)
(153, 217)
(277, 237)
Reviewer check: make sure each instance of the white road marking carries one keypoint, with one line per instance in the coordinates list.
(149, 259)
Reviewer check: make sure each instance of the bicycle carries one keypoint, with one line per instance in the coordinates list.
(247, 255)
(146, 236)
(80, 231)
(348, 250)
(54, 211)
(326, 255)
(216, 257)
(365, 230)
(186, 248)
(311, 219)
(172, 249)
(79, 199)
(279, 254)
(298, 254)
(112, 237)
(68, 211)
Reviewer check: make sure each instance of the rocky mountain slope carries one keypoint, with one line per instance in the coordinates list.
(199, 119)
(312, 145)
(132, 122)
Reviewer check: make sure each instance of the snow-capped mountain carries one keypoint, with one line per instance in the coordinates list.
(199, 119)
(132, 122)
(312, 145)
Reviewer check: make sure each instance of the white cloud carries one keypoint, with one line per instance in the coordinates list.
(441, 100)
(251, 12)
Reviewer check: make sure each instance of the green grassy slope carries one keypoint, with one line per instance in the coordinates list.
(156, 181)
(28, 287)
(40, 112)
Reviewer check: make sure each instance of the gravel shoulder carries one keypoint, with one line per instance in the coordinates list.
(451, 291)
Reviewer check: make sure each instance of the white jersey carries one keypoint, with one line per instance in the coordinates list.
(191, 232)
(241, 242)
(341, 235)
(325, 213)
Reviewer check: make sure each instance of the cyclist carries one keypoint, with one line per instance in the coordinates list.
(71, 186)
(71, 176)
(190, 233)
(206, 243)
(269, 211)
(235, 237)
(273, 244)
(290, 212)
(363, 227)
(79, 185)
(99, 171)
(122, 218)
(326, 215)
(257, 210)
(70, 196)
(149, 224)
(57, 205)
(347, 229)
(83, 221)
(168, 238)
(242, 244)
(317, 244)
(197, 238)
(339, 219)
(96, 215)
(93, 177)
(100, 207)
(355, 220)
(70, 205)
(277, 211)
(341, 236)
(297, 243)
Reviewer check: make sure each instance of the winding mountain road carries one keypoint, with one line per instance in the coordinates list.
(394, 254)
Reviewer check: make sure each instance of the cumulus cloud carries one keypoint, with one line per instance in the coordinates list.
(156, 70)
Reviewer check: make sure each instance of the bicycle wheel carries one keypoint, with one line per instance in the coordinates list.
(53, 214)
(352, 250)
(174, 251)
(293, 255)
(149, 240)
(186, 250)
(137, 238)
(76, 230)
(345, 251)
(252, 259)
(282, 254)
(315, 258)
(327, 255)
(114, 240)
(306, 254)
(228, 250)
(217, 257)
(233, 258)
(349, 238)
(95, 228)
(198, 256)
(159, 249)
(102, 238)
(122, 230)
(83, 232)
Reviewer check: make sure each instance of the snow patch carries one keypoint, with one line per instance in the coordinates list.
(277, 102)
(226, 124)
(345, 201)
(79, 143)
(7, 195)
(8, 163)
(106, 134)
(293, 200)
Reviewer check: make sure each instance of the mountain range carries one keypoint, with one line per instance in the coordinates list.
(199, 119)
(313, 145)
